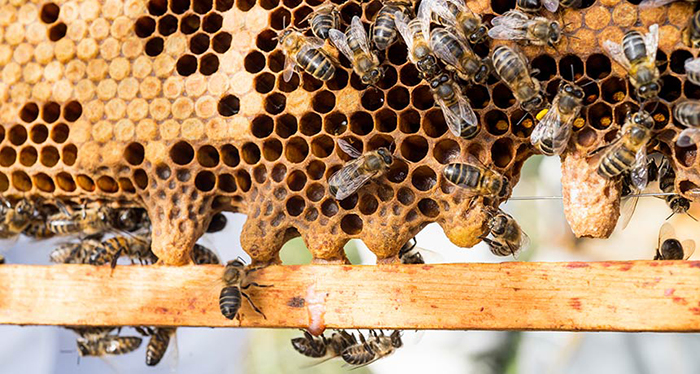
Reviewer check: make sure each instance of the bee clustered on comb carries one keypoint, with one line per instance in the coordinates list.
(180, 106)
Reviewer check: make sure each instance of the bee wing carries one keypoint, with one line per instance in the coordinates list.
(648, 4)
(551, 5)
(692, 69)
(341, 42)
(348, 180)
(314, 42)
(688, 248)
(441, 8)
(461, 5)
(521, 245)
(615, 51)
(359, 33)
(688, 137)
(552, 129)
(507, 33)
(464, 112)
(638, 173)
(289, 65)
(666, 232)
(627, 208)
(401, 22)
(512, 19)
(348, 148)
(651, 42)
(443, 52)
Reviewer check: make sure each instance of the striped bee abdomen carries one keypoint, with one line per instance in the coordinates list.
(106, 251)
(633, 46)
(324, 21)
(316, 63)
(230, 301)
(158, 345)
(463, 174)
(617, 162)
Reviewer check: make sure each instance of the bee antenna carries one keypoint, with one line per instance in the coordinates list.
(689, 215)
(573, 74)
(521, 119)
(586, 84)
(667, 218)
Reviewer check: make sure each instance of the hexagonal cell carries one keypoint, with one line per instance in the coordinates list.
(478, 96)
(409, 121)
(134, 154)
(421, 98)
(361, 123)
(670, 88)
(434, 124)
(279, 18)
(409, 75)
(386, 120)
(423, 178)
(446, 151)
(571, 68)
(60, 132)
(57, 31)
(338, 81)
(323, 102)
(17, 135)
(264, 83)
(209, 64)
(502, 96)
(349, 202)
(315, 169)
(229, 105)
(269, 4)
(614, 90)
(496, 122)
(546, 67)
(49, 13)
(296, 150)
(389, 79)
(398, 98)
(351, 224)
(167, 25)
(310, 124)
(186, 65)
(208, 156)
(279, 171)
(182, 153)
(523, 123)
(502, 6)
(275, 103)
(221, 42)
(29, 112)
(157, 7)
(335, 123)
(598, 66)
(502, 152)
(600, 116)
(372, 99)
(285, 125)
(38, 133)
(296, 180)
(322, 146)
(678, 59)
(212, 22)
(144, 27)
(154, 46)
(272, 149)
(190, 24)
(21, 181)
(414, 148)
(691, 91)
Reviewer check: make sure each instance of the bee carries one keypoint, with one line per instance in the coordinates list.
(158, 342)
(409, 254)
(130, 219)
(454, 13)
(322, 347)
(477, 180)
(96, 341)
(74, 253)
(456, 54)
(686, 112)
(534, 6)
(235, 274)
(516, 25)
(512, 67)
(508, 237)
(15, 218)
(324, 19)
(416, 33)
(632, 185)
(637, 55)
(629, 151)
(691, 33)
(218, 223)
(110, 250)
(355, 46)
(202, 255)
(647, 4)
(384, 29)
(670, 248)
(692, 67)
(359, 171)
(306, 52)
(88, 221)
(552, 133)
(38, 229)
(667, 179)
(375, 347)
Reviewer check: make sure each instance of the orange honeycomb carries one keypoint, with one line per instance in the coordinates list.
(180, 106)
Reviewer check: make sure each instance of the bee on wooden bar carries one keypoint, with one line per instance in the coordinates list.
(324, 19)
(454, 13)
(134, 247)
(458, 56)
(512, 67)
(508, 238)
(637, 55)
(552, 133)
(323, 348)
(629, 151)
(15, 218)
(667, 180)
(518, 26)
(306, 52)
(355, 46)
(384, 29)
(202, 255)
(691, 33)
(359, 171)
(415, 34)
(96, 341)
(477, 180)
(409, 254)
(158, 343)
(235, 274)
(74, 253)
(88, 221)
(376, 346)
(670, 248)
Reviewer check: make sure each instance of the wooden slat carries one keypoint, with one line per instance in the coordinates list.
(614, 296)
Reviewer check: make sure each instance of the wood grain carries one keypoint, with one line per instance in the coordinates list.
(612, 296)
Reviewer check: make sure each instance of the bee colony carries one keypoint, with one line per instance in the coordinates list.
(326, 120)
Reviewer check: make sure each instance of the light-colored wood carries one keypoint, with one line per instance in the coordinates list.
(611, 296)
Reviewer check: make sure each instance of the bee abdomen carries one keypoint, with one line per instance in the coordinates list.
(202, 255)
(322, 23)
(316, 63)
(230, 301)
(508, 64)
(306, 348)
(694, 30)
(106, 251)
(38, 230)
(688, 113)
(357, 355)
(119, 345)
(633, 46)
(63, 226)
(616, 163)
(463, 174)
(158, 345)
(529, 5)
(384, 31)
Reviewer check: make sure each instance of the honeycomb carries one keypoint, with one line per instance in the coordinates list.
(179, 106)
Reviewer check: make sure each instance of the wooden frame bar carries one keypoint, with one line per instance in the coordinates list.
(610, 296)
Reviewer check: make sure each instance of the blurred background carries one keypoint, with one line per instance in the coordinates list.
(201, 350)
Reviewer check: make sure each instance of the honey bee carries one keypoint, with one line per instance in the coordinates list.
(359, 171)
(15, 218)
(374, 348)
(324, 19)
(355, 46)
(235, 274)
(512, 67)
(692, 68)
(322, 347)
(409, 254)
(158, 342)
(134, 247)
(691, 33)
(534, 6)
(670, 248)
(477, 180)
(687, 112)
(96, 341)
(647, 4)
(384, 29)
(218, 223)
(306, 52)
(130, 219)
(38, 229)
(456, 54)
(74, 253)
(667, 179)
(551, 135)
(516, 25)
(416, 33)
(202, 255)
(637, 55)
(629, 151)
(508, 237)
(632, 185)
(88, 221)
(454, 13)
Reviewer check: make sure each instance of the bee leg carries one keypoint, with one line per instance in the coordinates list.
(256, 285)
(255, 308)
(113, 261)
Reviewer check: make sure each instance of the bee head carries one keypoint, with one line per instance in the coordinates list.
(396, 339)
(24, 206)
(83, 347)
(497, 224)
(533, 103)
(478, 35)
(481, 74)
(505, 188)
(648, 91)
(572, 90)
(373, 76)
(680, 205)
(387, 157)
(554, 33)
(643, 118)
(232, 271)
